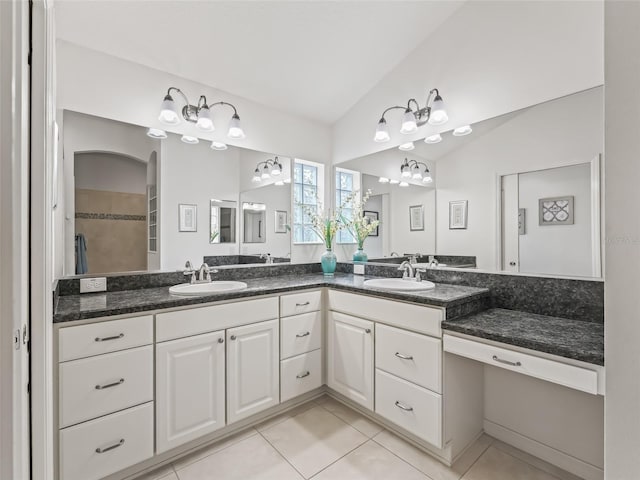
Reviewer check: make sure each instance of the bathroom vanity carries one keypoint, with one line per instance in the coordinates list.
(144, 376)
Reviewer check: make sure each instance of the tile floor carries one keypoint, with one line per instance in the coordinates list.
(325, 440)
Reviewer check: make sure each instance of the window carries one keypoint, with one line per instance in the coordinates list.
(347, 182)
(308, 193)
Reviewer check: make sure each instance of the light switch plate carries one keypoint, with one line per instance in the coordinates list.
(91, 285)
(358, 269)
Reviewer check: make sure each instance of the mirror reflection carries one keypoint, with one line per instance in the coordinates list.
(254, 215)
(542, 161)
(223, 221)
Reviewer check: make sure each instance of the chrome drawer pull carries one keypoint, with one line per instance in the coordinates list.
(507, 362)
(221, 340)
(104, 339)
(111, 447)
(367, 330)
(305, 374)
(404, 357)
(109, 385)
(404, 407)
(302, 304)
(300, 335)
(233, 337)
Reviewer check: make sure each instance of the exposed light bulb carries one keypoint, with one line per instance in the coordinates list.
(403, 184)
(409, 124)
(235, 130)
(204, 122)
(433, 139)
(156, 133)
(382, 132)
(462, 131)
(438, 114)
(189, 139)
(407, 147)
(218, 145)
(383, 180)
(168, 113)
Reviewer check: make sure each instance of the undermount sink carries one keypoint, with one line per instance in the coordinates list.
(189, 289)
(398, 284)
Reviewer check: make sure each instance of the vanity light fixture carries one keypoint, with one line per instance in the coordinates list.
(403, 184)
(218, 145)
(412, 169)
(268, 168)
(394, 182)
(462, 131)
(199, 114)
(414, 116)
(189, 139)
(433, 139)
(156, 133)
(407, 147)
(383, 180)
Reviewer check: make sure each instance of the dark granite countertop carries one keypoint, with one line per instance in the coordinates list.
(458, 300)
(558, 336)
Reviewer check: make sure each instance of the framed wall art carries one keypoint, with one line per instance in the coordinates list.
(458, 214)
(187, 218)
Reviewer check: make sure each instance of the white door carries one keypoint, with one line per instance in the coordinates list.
(253, 377)
(189, 389)
(350, 358)
(512, 218)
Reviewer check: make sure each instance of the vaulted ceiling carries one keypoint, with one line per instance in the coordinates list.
(314, 59)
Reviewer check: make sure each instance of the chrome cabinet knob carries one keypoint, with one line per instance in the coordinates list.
(233, 337)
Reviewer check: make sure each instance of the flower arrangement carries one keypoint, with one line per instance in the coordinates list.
(325, 225)
(358, 225)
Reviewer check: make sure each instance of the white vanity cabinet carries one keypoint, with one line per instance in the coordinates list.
(350, 357)
(190, 388)
(253, 360)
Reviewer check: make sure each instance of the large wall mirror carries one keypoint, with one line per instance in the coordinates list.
(130, 202)
(520, 193)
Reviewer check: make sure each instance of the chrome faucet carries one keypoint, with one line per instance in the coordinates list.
(433, 263)
(268, 258)
(419, 273)
(408, 269)
(394, 254)
(189, 271)
(205, 273)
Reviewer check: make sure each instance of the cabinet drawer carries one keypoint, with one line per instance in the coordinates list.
(300, 303)
(184, 323)
(124, 438)
(300, 334)
(412, 356)
(300, 374)
(557, 372)
(125, 379)
(409, 406)
(104, 337)
(399, 314)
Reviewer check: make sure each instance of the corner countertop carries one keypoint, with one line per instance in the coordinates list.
(457, 299)
(567, 338)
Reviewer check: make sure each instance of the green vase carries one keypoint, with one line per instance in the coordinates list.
(328, 260)
(360, 255)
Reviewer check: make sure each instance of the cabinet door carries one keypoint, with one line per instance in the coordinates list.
(350, 357)
(190, 391)
(253, 380)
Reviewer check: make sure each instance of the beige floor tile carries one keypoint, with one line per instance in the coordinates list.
(322, 399)
(428, 464)
(495, 464)
(370, 462)
(285, 416)
(535, 461)
(162, 473)
(213, 448)
(353, 418)
(250, 459)
(313, 440)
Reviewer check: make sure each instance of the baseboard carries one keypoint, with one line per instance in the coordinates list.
(549, 454)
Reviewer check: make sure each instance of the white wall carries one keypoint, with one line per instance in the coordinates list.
(102, 85)
(194, 174)
(622, 275)
(559, 133)
(111, 173)
(487, 59)
(557, 249)
(275, 198)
